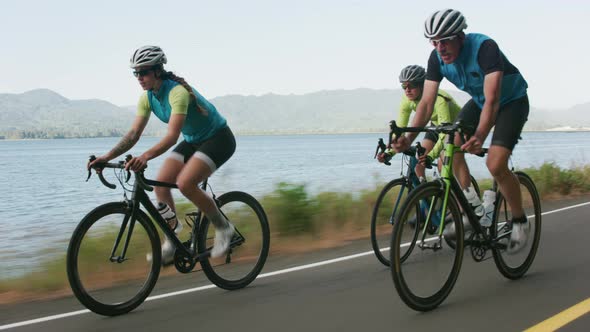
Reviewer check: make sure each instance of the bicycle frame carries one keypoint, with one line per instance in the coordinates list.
(138, 198)
(450, 183)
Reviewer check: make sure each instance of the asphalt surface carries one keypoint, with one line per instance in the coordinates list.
(354, 294)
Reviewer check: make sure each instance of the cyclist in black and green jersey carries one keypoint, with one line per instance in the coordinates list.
(446, 110)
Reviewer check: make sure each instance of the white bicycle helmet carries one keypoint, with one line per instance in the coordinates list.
(413, 73)
(444, 23)
(147, 56)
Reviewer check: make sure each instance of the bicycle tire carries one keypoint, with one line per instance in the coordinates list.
(257, 219)
(434, 193)
(501, 257)
(380, 246)
(87, 294)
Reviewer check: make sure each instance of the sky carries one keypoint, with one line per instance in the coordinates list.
(81, 49)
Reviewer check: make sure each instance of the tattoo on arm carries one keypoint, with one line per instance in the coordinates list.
(126, 143)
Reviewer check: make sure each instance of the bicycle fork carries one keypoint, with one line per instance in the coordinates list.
(446, 185)
(128, 219)
(432, 217)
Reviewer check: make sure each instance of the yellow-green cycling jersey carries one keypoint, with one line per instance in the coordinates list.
(445, 110)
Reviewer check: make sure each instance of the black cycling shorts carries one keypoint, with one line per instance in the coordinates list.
(214, 151)
(509, 121)
(431, 136)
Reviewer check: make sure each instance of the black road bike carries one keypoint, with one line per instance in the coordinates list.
(114, 255)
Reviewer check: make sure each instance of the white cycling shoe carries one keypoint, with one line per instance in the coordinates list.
(519, 236)
(168, 248)
(222, 240)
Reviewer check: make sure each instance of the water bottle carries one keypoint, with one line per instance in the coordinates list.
(489, 197)
(169, 215)
(474, 201)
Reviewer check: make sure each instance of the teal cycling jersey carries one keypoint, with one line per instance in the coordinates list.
(173, 98)
(467, 75)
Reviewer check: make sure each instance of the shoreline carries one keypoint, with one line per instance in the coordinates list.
(557, 130)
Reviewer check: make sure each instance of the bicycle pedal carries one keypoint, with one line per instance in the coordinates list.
(236, 241)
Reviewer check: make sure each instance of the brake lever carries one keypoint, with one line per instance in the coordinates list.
(419, 150)
(394, 130)
(90, 159)
(381, 145)
(127, 159)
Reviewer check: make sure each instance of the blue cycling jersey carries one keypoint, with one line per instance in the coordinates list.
(466, 74)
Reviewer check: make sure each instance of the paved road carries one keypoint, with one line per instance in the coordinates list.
(355, 294)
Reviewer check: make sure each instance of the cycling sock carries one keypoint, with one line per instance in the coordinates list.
(217, 219)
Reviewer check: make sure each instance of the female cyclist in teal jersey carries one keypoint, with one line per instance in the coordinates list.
(208, 142)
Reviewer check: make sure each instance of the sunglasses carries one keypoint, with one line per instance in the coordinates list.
(141, 73)
(410, 86)
(443, 41)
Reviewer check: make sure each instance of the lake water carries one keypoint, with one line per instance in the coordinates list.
(44, 194)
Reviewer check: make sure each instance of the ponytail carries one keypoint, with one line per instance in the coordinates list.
(170, 75)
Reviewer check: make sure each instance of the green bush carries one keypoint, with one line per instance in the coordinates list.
(290, 209)
(551, 180)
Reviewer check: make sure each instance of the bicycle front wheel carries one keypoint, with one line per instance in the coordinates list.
(103, 277)
(249, 246)
(430, 271)
(516, 265)
(386, 208)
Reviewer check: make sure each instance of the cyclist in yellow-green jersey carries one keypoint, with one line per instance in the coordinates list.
(445, 111)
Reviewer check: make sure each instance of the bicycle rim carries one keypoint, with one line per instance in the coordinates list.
(427, 276)
(514, 266)
(386, 208)
(247, 255)
(110, 287)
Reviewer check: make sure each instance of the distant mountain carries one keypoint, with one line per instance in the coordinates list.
(43, 113)
(357, 110)
(577, 116)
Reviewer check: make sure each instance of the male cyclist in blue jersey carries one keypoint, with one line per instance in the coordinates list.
(474, 63)
(208, 142)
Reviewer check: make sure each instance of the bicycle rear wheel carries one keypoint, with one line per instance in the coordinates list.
(388, 203)
(250, 244)
(101, 282)
(431, 269)
(516, 265)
